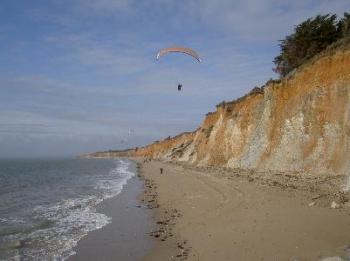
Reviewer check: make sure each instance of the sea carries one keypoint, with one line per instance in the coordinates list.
(48, 205)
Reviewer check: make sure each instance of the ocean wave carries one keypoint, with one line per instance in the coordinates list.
(59, 227)
(112, 186)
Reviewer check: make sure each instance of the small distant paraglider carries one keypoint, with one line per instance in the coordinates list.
(126, 139)
(123, 141)
(181, 50)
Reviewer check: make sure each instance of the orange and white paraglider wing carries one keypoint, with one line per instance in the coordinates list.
(183, 50)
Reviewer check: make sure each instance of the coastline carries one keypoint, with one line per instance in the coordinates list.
(126, 237)
(218, 214)
(170, 245)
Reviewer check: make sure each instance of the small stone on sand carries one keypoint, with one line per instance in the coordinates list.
(335, 205)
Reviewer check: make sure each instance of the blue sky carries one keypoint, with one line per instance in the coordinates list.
(80, 75)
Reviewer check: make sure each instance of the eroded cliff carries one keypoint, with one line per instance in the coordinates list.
(298, 124)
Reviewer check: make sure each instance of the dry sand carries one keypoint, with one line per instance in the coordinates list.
(211, 214)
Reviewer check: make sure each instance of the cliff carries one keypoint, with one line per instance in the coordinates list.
(298, 124)
(109, 154)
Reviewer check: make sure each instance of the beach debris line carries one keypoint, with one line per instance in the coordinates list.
(166, 219)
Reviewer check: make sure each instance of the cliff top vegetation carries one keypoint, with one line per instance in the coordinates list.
(310, 38)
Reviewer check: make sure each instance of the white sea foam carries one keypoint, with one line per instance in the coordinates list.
(114, 184)
(3, 219)
(73, 218)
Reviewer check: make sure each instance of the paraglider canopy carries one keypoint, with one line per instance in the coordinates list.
(183, 50)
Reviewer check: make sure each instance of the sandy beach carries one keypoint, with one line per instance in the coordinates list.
(216, 214)
(126, 237)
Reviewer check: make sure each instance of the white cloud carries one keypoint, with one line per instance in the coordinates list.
(121, 55)
(260, 20)
(118, 39)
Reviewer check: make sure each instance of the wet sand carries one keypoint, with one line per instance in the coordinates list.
(127, 237)
(211, 214)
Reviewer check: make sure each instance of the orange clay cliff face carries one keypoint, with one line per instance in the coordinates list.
(298, 124)
(301, 123)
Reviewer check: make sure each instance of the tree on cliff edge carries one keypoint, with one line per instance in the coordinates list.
(309, 38)
(344, 25)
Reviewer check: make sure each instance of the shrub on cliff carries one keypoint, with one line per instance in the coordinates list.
(309, 38)
(344, 25)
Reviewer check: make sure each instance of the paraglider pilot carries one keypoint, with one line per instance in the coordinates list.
(179, 86)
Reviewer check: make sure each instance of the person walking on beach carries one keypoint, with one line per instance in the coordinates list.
(161, 170)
